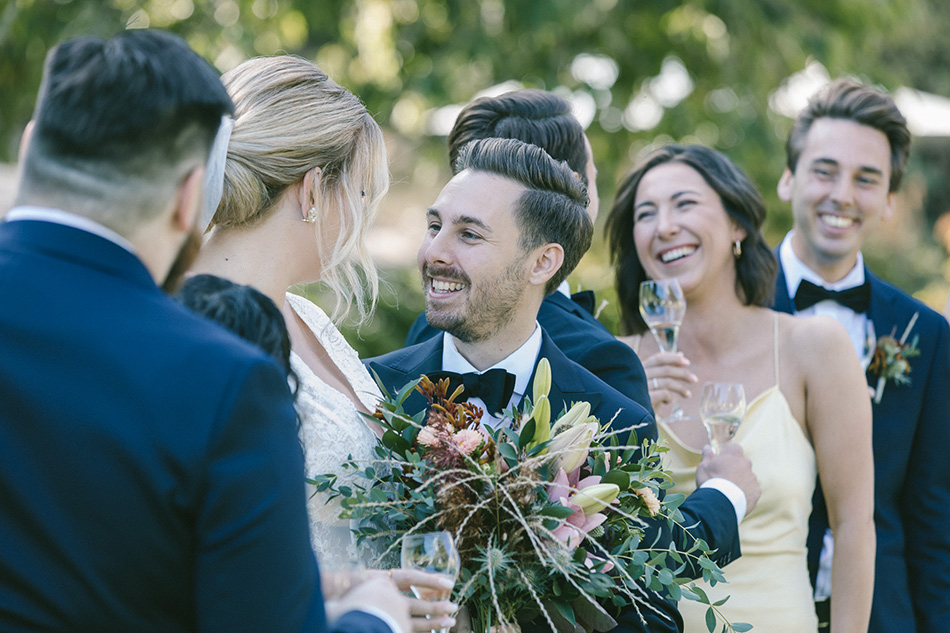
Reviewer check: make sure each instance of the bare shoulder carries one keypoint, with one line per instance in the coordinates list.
(818, 341)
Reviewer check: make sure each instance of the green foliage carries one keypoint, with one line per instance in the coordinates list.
(407, 58)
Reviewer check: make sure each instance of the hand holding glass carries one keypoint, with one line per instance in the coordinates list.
(662, 307)
(722, 409)
(431, 552)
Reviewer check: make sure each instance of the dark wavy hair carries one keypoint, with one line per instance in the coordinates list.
(755, 268)
(533, 116)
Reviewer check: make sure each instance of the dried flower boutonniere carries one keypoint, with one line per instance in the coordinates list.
(890, 360)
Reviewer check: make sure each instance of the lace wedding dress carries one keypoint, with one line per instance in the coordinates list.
(332, 431)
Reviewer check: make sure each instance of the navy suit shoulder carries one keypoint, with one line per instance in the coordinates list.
(583, 339)
(149, 465)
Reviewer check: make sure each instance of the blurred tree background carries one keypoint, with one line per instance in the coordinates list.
(726, 73)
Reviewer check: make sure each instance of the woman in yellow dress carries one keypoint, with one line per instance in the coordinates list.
(690, 213)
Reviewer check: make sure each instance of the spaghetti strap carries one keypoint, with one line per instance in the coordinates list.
(775, 344)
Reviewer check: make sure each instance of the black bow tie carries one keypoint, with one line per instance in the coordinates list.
(857, 298)
(494, 387)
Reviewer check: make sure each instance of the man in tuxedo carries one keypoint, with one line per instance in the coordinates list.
(545, 119)
(502, 235)
(150, 474)
(846, 155)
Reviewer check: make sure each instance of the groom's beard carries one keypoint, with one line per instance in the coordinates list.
(183, 261)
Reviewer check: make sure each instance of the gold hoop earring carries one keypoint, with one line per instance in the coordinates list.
(311, 216)
(737, 249)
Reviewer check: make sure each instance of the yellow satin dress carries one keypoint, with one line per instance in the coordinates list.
(768, 586)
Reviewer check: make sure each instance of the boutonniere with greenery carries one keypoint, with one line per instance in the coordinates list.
(890, 360)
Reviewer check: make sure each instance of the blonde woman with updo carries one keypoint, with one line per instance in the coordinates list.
(306, 169)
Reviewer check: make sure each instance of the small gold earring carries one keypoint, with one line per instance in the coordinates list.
(311, 216)
(737, 249)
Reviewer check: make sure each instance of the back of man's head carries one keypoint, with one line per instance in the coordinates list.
(553, 209)
(533, 116)
(118, 124)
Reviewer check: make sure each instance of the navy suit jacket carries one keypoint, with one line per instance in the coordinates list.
(911, 470)
(583, 339)
(712, 513)
(150, 474)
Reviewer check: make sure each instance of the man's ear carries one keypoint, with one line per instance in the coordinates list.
(785, 185)
(888, 212)
(25, 139)
(547, 261)
(188, 200)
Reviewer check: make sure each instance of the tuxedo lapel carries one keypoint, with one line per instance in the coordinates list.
(566, 385)
(397, 368)
(782, 302)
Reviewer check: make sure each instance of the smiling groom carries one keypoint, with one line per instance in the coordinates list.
(503, 233)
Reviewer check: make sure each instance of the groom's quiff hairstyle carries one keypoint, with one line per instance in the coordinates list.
(118, 124)
(553, 208)
(533, 116)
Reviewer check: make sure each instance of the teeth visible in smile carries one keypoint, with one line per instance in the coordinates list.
(677, 253)
(446, 286)
(837, 221)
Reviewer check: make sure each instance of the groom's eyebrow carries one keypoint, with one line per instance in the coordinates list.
(460, 220)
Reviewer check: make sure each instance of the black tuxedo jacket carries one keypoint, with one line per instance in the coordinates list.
(710, 511)
(150, 473)
(573, 328)
(911, 470)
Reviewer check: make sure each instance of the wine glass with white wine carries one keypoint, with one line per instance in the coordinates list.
(722, 409)
(432, 552)
(662, 307)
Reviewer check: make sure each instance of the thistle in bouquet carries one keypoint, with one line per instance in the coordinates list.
(548, 518)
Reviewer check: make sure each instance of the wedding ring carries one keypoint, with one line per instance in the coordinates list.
(389, 573)
(656, 384)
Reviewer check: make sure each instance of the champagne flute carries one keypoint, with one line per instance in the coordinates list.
(432, 552)
(722, 409)
(662, 307)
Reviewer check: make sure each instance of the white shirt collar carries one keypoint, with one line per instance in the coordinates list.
(564, 288)
(521, 363)
(796, 270)
(58, 216)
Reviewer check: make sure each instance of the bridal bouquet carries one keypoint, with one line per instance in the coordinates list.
(547, 514)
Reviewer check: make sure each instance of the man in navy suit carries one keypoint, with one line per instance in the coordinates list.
(150, 474)
(504, 233)
(846, 155)
(545, 119)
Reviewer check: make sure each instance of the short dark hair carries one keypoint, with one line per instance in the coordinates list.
(533, 116)
(755, 269)
(852, 101)
(244, 310)
(114, 119)
(554, 207)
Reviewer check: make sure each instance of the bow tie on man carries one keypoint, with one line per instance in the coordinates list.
(494, 386)
(857, 299)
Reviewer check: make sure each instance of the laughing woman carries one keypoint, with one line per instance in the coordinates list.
(690, 213)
